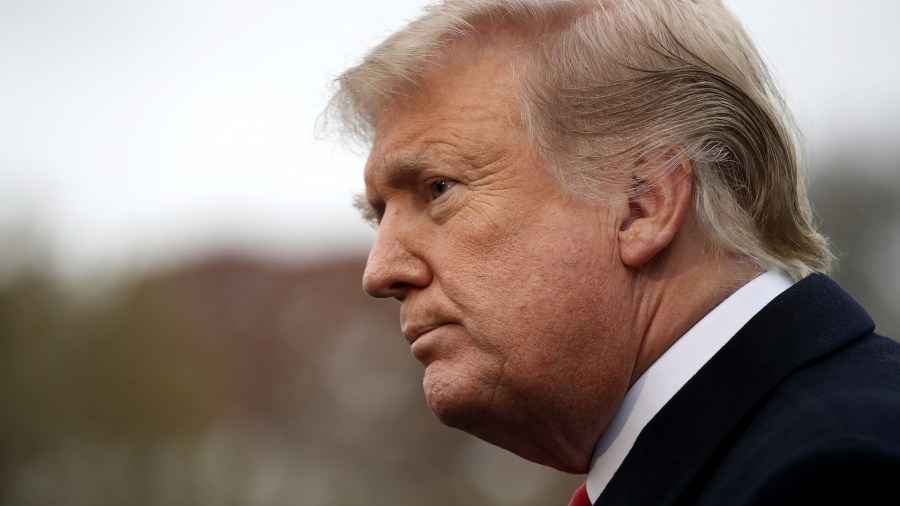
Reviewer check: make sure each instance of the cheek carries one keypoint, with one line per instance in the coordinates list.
(530, 276)
(528, 292)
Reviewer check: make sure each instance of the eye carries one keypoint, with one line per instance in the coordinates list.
(439, 186)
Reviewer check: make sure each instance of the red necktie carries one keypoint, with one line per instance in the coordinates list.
(580, 497)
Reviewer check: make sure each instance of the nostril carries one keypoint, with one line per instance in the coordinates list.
(381, 284)
(399, 289)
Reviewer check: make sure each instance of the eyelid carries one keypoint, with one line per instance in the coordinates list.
(430, 181)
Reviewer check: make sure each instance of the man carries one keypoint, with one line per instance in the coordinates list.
(592, 216)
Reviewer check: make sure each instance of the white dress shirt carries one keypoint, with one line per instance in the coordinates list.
(673, 369)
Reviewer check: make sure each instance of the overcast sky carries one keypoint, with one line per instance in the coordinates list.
(133, 132)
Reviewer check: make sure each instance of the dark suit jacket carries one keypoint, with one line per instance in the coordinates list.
(802, 406)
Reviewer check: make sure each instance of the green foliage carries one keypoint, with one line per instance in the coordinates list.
(125, 375)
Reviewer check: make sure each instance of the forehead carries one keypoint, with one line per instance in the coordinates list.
(467, 106)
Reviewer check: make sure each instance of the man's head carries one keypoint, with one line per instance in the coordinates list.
(603, 84)
(548, 177)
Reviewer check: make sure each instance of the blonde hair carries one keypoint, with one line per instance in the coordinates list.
(608, 85)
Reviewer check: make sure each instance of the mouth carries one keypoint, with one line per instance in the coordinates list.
(413, 332)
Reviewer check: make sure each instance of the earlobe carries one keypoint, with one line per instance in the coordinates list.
(657, 206)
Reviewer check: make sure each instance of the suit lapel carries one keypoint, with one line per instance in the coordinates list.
(806, 322)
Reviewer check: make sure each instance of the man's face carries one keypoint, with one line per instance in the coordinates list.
(512, 294)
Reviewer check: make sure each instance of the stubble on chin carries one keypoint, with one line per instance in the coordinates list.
(459, 398)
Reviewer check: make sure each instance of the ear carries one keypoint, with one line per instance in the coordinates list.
(660, 197)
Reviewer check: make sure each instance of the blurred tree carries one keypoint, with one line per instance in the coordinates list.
(124, 376)
(236, 381)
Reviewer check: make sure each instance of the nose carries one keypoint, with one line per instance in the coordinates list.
(393, 268)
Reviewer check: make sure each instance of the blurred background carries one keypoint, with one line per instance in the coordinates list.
(181, 319)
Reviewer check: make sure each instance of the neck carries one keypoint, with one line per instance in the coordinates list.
(677, 291)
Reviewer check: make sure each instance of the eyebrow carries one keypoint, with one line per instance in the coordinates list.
(395, 170)
(365, 208)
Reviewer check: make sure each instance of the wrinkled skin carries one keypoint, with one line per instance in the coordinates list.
(513, 294)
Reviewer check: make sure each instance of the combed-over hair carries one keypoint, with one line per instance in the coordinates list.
(607, 86)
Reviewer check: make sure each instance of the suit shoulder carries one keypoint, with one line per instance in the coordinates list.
(853, 394)
(857, 387)
(844, 470)
(824, 430)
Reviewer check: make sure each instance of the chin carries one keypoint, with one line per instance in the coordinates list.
(462, 400)
(455, 399)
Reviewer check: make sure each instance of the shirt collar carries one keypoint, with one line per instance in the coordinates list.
(673, 369)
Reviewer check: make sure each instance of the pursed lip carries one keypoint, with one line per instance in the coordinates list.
(413, 332)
